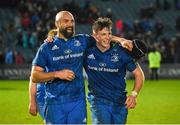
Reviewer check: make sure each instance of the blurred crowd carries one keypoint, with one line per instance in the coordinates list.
(34, 18)
(153, 31)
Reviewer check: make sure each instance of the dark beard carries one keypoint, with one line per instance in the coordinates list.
(66, 34)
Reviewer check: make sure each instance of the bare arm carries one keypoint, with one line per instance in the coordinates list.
(32, 98)
(38, 74)
(124, 42)
(139, 80)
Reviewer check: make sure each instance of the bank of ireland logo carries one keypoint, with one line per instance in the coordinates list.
(114, 58)
(102, 64)
(77, 43)
(67, 51)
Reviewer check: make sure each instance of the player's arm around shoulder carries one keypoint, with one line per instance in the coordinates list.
(51, 34)
(131, 100)
(125, 43)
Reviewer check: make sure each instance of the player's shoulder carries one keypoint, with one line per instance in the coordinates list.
(47, 45)
(82, 36)
(118, 47)
(122, 51)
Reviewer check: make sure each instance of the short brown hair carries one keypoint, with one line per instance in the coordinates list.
(101, 23)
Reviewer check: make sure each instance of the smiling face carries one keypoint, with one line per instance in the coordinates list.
(65, 24)
(102, 33)
(103, 38)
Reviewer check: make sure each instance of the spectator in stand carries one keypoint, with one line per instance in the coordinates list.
(17, 20)
(119, 27)
(177, 47)
(25, 21)
(25, 39)
(167, 54)
(167, 5)
(158, 4)
(145, 25)
(1, 39)
(177, 4)
(148, 11)
(148, 37)
(9, 33)
(94, 14)
(158, 29)
(35, 18)
(19, 37)
(18, 58)
(172, 47)
(9, 57)
(109, 13)
(1, 57)
(178, 23)
(137, 27)
(33, 40)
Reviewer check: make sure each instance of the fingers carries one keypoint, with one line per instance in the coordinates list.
(65, 74)
(130, 46)
(49, 39)
(70, 75)
(130, 102)
(32, 110)
(127, 44)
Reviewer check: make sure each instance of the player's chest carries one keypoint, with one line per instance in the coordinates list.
(67, 51)
(103, 60)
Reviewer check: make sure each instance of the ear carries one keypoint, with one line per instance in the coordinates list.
(56, 24)
(96, 36)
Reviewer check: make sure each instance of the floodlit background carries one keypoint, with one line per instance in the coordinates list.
(24, 25)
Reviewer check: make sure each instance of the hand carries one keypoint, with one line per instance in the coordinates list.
(49, 39)
(127, 44)
(131, 102)
(65, 74)
(33, 109)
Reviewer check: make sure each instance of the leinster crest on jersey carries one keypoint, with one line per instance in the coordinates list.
(77, 43)
(114, 58)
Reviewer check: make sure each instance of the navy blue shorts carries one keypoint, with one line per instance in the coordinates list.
(66, 113)
(41, 109)
(108, 114)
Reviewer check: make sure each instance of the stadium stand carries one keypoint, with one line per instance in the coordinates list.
(24, 23)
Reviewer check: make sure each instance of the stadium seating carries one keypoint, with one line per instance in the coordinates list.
(127, 10)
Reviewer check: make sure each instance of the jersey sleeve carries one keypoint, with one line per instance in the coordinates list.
(130, 64)
(40, 58)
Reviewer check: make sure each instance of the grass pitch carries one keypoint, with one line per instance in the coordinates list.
(158, 103)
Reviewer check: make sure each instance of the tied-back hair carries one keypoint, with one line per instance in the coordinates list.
(100, 23)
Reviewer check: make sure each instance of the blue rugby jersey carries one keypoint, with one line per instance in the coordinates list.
(107, 74)
(58, 55)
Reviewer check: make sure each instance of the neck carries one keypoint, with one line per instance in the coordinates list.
(59, 35)
(101, 48)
